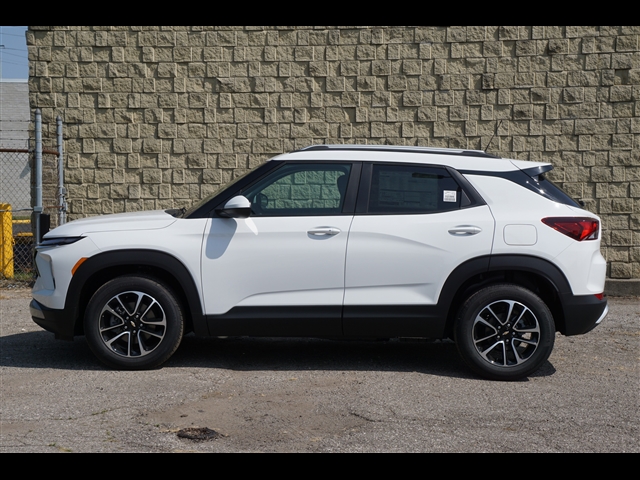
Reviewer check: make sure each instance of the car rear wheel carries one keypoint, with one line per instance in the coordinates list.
(504, 332)
(133, 323)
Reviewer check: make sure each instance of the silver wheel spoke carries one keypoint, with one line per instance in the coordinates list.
(525, 310)
(511, 304)
(527, 330)
(143, 348)
(148, 308)
(146, 332)
(479, 319)
(525, 340)
(519, 359)
(114, 313)
(504, 354)
(118, 337)
(106, 329)
(485, 338)
(135, 309)
(485, 352)
(494, 315)
(117, 298)
(161, 322)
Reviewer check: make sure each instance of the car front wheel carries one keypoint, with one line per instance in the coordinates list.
(504, 332)
(133, 323)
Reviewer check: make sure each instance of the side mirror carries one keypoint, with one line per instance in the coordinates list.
(238, 207)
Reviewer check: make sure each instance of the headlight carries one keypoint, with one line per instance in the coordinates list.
(58, 241)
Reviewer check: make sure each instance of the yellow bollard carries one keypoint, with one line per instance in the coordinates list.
(6, 241)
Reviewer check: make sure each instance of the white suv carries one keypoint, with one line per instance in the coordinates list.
(338, 241)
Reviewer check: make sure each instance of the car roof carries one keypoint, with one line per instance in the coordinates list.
(469, 160)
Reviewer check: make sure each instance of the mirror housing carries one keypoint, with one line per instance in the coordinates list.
(238, 207)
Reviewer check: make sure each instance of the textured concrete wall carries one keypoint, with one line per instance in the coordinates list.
(157, 117)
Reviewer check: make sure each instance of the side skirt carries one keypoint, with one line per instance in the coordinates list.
(327, 321)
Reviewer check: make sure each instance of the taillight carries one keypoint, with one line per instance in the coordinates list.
(578, 228)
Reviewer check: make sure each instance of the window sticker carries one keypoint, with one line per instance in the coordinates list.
(449, 196)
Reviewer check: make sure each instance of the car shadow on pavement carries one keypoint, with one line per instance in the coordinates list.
(41, 350)
(439, 358)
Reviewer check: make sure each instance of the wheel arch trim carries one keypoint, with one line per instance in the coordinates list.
(455, 283)
(169, 264)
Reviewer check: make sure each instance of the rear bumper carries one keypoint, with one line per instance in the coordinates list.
(53, 320)
(582, 313)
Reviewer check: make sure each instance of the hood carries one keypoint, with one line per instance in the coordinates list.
(147, 220)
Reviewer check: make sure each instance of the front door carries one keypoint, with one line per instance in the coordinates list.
(280, 271)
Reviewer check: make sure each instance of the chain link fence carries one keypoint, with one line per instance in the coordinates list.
(16, 238)
(18, 217)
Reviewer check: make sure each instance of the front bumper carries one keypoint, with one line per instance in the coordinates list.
(58, 322)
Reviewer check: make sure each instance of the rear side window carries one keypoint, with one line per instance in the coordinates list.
(533, 179)
(552, 191)
(412, 190)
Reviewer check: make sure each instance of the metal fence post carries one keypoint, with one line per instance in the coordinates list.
(62, 204)
(37, 208)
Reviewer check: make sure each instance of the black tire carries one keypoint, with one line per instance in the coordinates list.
(133, 323)
(504, 332)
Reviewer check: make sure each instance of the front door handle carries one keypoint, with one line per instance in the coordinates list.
(464, 230)
(319, 231)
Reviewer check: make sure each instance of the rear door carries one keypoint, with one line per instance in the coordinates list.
(413, 225)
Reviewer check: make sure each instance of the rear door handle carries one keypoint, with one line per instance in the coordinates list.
(465, 230)
(319, 231)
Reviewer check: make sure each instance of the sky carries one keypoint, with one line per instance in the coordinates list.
(14, 63)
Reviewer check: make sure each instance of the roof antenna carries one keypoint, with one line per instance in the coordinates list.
(491, 139)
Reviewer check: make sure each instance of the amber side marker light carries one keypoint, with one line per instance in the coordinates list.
(78, 263)
(578, 228)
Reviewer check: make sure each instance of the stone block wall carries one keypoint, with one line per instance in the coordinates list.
(158, 117)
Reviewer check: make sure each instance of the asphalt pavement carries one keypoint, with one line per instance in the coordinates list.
(308, 395)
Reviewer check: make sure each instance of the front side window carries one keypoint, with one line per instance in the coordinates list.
(299, 190)
(412, 189)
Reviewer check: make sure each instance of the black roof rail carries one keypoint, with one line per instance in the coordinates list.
(401, 149)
